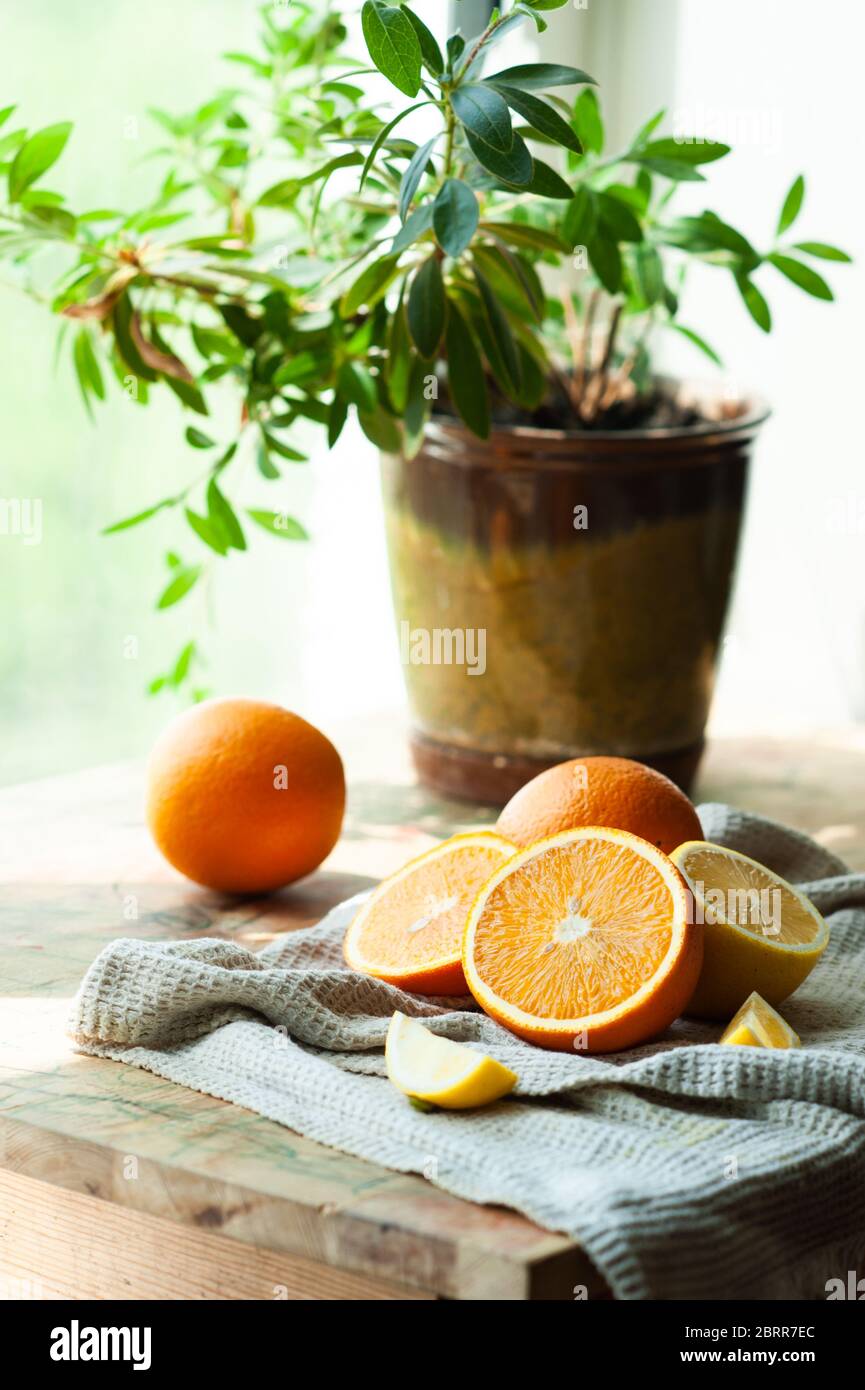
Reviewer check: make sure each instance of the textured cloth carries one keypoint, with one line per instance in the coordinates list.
(684, 1169)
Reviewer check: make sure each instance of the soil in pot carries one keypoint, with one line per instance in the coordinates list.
(597, 568)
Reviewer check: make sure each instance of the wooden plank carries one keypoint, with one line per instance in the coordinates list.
(60, 1245)
(130, 1138)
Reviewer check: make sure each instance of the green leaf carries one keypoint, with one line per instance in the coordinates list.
(418, 407)
(208, 531)
(198, 440)
(513, 280)
(414, 172)
(385, 132)
(430, 51)
(303, 366)
(606, 262)
(182, 665)
(802, 275)
(285, 451)
(185, 578)
(138, 518)
(222, 514)
(399, 359)
(792, 205)
(266, 467)
(581, 218)
(588, 122)
(11, 142)
(823, 251)
(6, 113)
(539, 75)
(455, 216)
(546, 183)
(36, 156)
(706, 234)
(456, 46)
(370, 286)
(522, 234)
(51, 216)
(381, 429)
(337, 416)
(245, 327)
(285, 192)
(427, 308)
(501, 333)
(617, 219)
(87, 367)
(541, 116)
(677, 170)
(650, 273)
(466, 380)
(357, 386)
(188, 394)
(515, 168)
(645, 132)
(698, 342)
(484, 113)
(393, 45)
(417, 225)
(755, 303)
(278, 524)
(686, 151)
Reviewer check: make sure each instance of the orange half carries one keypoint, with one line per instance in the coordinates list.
(582, 942)
(409, 932)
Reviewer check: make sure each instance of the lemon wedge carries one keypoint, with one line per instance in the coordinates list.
(758, 1025)
(433, 1069)
(759, 932)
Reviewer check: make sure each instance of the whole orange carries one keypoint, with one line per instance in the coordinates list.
(243, 796)
(613, 792)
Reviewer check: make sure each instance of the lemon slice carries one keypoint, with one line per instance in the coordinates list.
(442, 1072)
(760, 933)
(758, 1025)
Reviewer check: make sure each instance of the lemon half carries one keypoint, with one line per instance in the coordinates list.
(761, 934)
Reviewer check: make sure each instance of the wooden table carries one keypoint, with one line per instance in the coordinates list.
(117, 1184)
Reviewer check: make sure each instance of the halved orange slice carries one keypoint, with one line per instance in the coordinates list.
(409, 932)
(583, 942)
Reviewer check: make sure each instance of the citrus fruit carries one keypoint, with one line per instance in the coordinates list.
(409, 931)
(583, 941)
(761, 933)
(243, 796)
(601, 791)
(758, 1025)
(442, 1072)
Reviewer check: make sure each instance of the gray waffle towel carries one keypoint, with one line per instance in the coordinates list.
(684, 1169)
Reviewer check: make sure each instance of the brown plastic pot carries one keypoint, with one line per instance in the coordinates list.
(532, 631)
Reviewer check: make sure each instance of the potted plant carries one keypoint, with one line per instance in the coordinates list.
(562, 522)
